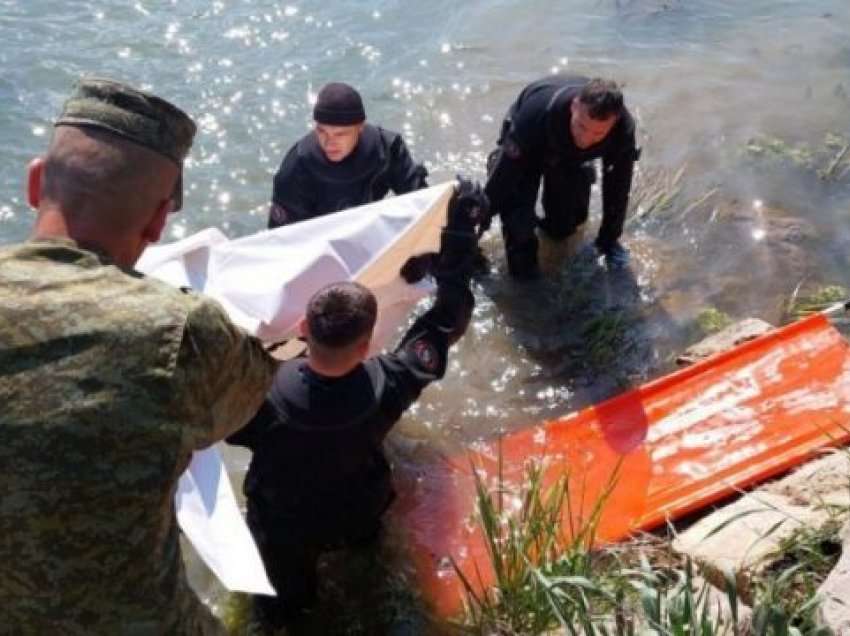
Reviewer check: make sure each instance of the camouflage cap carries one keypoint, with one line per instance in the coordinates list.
(140, 117)
(143, 118)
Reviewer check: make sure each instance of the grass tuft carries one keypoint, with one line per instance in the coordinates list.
(552, 578)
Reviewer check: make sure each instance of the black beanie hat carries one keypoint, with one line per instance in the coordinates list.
(339, 104)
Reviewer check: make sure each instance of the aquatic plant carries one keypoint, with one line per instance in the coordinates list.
(711, 320)
(839, 165)
(659, 194)
(603, 335)
(769, 148)
(801, 305)
(654, 193)
(830, 160)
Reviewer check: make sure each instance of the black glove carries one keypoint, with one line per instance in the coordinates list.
(468, 208)
(418, 267)
(458, 241)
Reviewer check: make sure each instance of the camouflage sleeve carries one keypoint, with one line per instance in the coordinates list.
(225, 374)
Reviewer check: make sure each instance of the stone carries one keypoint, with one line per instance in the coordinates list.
(723, 340)
(740, 538)
(834, 609)
(821, 483)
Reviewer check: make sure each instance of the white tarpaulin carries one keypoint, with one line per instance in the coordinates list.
(264, 282)
(209, 516)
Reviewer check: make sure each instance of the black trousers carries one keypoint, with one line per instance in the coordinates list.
(566, 201)
(290, 547)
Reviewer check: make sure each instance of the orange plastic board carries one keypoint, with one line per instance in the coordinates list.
(684, 441)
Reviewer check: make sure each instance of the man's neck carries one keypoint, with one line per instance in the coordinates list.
(52, 224)
(330, 370)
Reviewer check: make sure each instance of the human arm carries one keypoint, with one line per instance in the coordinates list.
(404, 175)
(249, 435)
(222, 375)
(617, 171)
(505, 169)
(422, 355)
(291, 199)
(514, 169)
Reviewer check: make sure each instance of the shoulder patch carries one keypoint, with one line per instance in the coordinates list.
(426, 354)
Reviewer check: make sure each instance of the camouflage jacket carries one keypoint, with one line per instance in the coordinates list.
(108, 382)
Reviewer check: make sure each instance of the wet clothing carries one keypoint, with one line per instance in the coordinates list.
(307, 185)
(318, 478)
(536, 142)
(108, 380)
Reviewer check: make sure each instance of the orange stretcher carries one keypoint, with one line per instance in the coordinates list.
(680, 443)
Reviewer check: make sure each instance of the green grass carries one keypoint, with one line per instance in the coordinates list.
(829, 160)
(801, 305)
(549, 578)
(712, 320)
(541, 567)
(604, 336)
(660, 194)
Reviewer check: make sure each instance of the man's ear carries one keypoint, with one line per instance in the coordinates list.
(153, 230)
(363, 347)
(35, 173)
(303, 329)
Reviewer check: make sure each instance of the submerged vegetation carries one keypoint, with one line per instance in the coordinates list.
(660, 195)
(804, 304)
(711, 320)
(830, 160)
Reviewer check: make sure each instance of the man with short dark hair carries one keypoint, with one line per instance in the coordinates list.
(109, 380)
(318, 477)
(555, 130)
(344, 162)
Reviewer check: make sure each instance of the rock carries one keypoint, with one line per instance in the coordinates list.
(822, 483)
(740, 537)
(754, 526)
(723, 340)
(834, 610)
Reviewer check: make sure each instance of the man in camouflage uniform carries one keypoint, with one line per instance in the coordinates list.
(108, 380)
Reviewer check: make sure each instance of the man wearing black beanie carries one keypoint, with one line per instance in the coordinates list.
(342, 163)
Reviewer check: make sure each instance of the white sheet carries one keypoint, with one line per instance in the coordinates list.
(264, 282)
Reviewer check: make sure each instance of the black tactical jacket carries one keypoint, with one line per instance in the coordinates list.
(536, 135)
(317, 441)
(307, 185)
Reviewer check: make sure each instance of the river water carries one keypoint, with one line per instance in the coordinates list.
(743, 108)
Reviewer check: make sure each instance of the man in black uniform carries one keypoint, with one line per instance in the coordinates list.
(344, 162)
(556, 128)
(318, 478)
